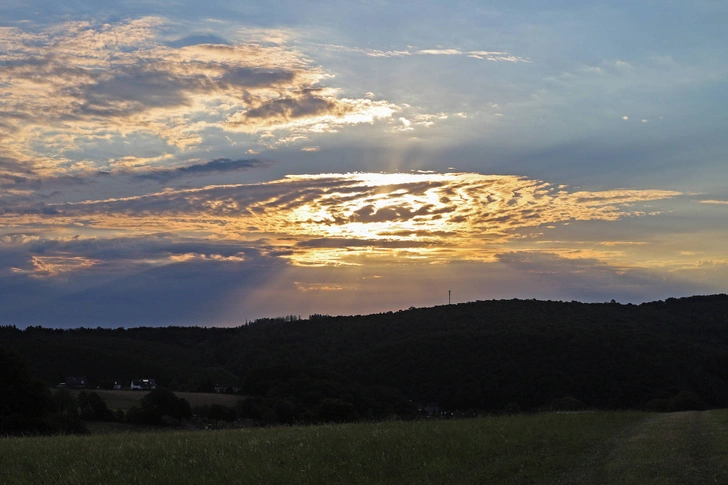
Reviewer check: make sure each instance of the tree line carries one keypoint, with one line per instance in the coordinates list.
(486, 356)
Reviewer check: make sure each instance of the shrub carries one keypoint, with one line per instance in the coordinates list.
(657, 405)
(93, 408)
(512, 408)
(567, 403)
(333, 411)
(685, 401)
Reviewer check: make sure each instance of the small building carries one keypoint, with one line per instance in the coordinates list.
(430, 410)
(143, 384)
(76, 382)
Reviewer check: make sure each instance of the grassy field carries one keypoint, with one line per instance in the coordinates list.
(124, 399)
(581, 448)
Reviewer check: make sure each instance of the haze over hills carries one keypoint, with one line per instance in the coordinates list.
(482, 355)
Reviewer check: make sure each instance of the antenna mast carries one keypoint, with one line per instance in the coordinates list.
(448, 296)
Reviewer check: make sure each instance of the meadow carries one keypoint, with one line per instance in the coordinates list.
(555, 448)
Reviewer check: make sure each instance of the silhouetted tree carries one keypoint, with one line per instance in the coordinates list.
(158, 403)
(685, 401)
(24, 401)
(26, 406)
(217, 412)
(93, 408)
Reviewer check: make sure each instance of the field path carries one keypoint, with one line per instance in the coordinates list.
(676, 448)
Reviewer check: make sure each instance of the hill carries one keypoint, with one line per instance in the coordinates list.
(480, 356)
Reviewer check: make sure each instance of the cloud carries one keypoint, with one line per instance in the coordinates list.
(316, 110)
(364, 243)
(52, 266)
(219, 165)
(306, 287)
(496, 56)
(199, 39)
(189, 291)
(81, 84)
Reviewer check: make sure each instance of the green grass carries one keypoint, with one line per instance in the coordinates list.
(582, 448)
(124, 399)
(669, 449)
(517, 449)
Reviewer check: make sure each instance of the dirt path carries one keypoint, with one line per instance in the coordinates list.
(677, 448)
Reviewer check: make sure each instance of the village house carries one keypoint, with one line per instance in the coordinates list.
(143, 384)
(76, 382)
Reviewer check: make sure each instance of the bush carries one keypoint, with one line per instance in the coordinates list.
(333, 411)
(218, 412)
(137, 415)
(63, 402)
(567, 403)
(158, 403)
(93, 408)
(119, 415)
(657, 405)
(66, 424)
(685, 401)
(512, 408)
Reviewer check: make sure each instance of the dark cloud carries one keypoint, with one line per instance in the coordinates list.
(252, 77)
(219, 165)
(147, 85)
(154, 280)
(369, 213)
(127, 248)
(182, 293)
(12, 166)
(138, 88)
(307, 104)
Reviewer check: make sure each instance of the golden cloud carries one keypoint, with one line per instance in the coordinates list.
(332, 219)
(51, 266)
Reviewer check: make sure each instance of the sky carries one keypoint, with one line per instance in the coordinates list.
(210, 163)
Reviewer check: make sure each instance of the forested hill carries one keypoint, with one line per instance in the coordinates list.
(481, 355)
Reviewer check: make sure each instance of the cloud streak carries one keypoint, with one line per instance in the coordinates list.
(494, 56)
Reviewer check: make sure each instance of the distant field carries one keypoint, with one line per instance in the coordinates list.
(582, 448)
(124, 399)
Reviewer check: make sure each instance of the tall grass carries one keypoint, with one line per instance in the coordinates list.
(509, 449)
